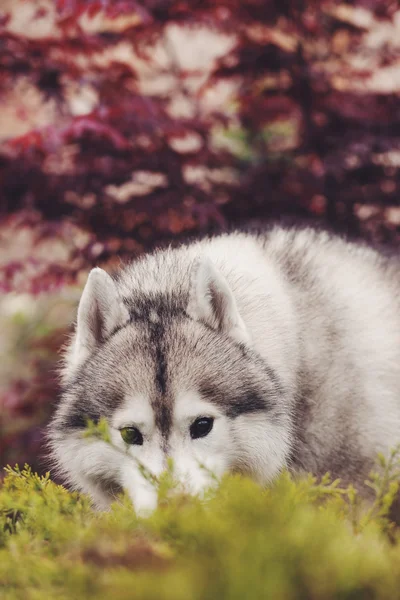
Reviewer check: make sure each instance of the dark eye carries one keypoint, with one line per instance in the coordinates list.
(201, 427)
(131, 435)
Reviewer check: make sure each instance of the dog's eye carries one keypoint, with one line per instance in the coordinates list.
(201, 427)
(131, 435)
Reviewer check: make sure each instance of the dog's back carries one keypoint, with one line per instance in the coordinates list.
(347, 300)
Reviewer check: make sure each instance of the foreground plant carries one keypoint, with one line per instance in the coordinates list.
(303, 539)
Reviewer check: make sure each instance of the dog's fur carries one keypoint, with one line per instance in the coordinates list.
(289, 339)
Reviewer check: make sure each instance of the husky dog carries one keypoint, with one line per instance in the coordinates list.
(242, 353)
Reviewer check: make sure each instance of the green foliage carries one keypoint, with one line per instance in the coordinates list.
(304, 539)
(98, 430)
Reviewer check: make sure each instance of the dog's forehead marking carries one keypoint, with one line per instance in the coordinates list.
(162, 401)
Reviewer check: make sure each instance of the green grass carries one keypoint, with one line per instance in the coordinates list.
(296, 540)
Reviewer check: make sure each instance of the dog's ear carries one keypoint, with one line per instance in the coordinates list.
(100, 312)
(212, 302)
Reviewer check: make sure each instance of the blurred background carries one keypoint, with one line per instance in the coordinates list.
(128, 124)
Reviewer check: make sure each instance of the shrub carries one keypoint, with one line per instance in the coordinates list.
(304, 539)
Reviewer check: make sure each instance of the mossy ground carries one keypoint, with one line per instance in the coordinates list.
(295, 540)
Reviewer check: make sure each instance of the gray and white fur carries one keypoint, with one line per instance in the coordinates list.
(286, 342)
